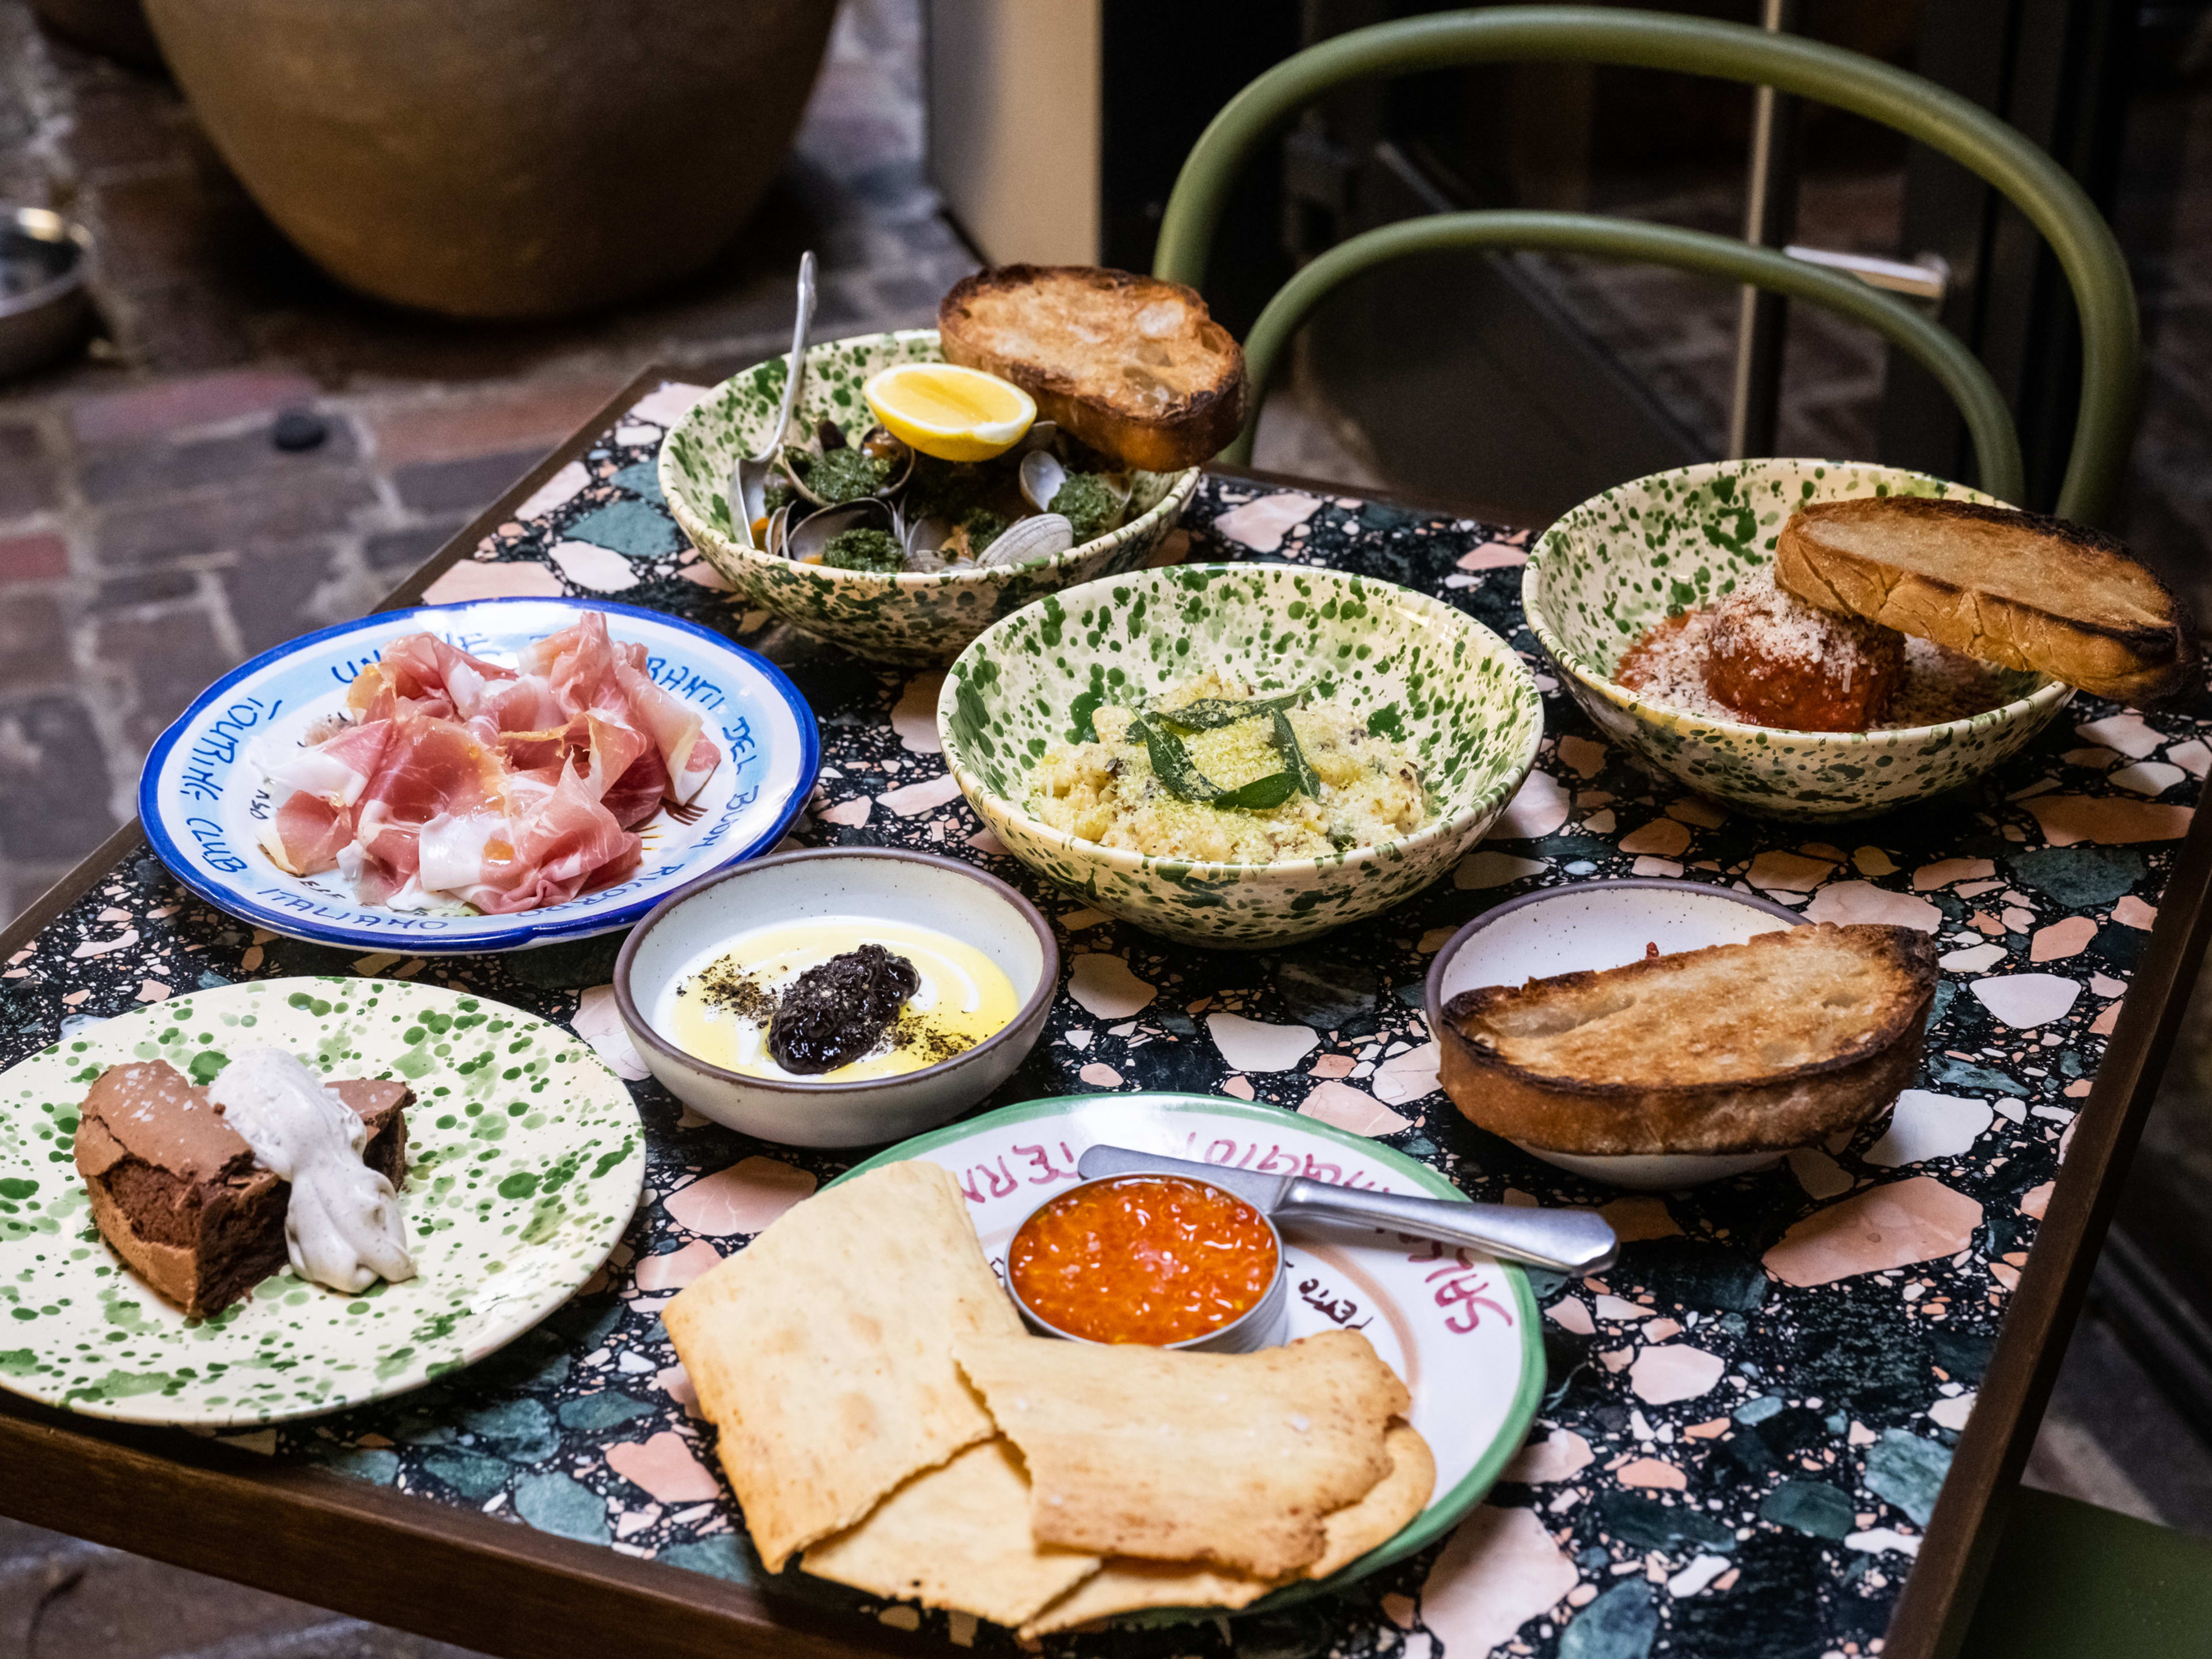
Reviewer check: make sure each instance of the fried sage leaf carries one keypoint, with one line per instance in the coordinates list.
(1260, 793)
(1180, 776)
(1172, 764)
(1300, 772)
(1211, 713)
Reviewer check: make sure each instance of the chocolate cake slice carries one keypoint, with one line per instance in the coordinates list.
(177, 1193)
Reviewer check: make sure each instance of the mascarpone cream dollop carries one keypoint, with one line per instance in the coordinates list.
(343, 1227)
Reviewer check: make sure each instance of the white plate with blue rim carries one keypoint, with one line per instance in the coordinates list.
(202, 799)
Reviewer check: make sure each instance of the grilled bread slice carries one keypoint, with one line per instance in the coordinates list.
(2013, 588)
(1134, 367)
(1779, 1041)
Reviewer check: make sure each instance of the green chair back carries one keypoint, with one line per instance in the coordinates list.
(2070, 1580)
(2104, 297)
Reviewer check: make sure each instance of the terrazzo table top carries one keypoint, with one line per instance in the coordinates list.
(1748, 1420)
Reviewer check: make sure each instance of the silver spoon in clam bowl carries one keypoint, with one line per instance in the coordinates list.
(750, 478)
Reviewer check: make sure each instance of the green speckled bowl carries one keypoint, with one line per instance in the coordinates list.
(1654, 547)
(902, 618)
(1466, 704)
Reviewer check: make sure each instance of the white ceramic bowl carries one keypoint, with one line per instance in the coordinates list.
(954, 899)
(1654, 547)
(1605, 924)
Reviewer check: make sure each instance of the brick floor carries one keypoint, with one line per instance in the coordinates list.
(151, 534)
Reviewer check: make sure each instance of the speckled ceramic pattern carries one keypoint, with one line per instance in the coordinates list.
(1676, 541)
(1466, 706)
(1747, 1422)
(902, 618)
(525, 1159)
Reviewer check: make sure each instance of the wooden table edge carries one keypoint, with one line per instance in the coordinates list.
(1937, 1604)
(229, 1519)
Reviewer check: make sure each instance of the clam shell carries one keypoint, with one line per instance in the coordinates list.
(889, 487)
(806, 539)
(1040, 537)
(1042, 477)
(924, 545)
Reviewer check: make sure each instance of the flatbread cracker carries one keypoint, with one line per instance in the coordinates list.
(958, 1537)
(1125, 1585)
(1391, 1502)
(823, 1350)
(1232, 1460)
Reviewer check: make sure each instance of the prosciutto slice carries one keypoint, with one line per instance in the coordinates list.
(457, 779)
(675, 727)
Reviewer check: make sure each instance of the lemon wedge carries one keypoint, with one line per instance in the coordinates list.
(955, 414)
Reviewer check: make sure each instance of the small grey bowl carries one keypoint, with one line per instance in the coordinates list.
(42, 310)
(955, 898)
(1262, 1325)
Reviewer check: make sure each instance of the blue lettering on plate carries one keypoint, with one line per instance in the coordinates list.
(687, 682)
(730, 814)
(393, 920)
(217, 743)
(215, 847)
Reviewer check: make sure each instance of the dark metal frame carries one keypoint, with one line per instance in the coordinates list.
(506, 1588)
(2055, 69)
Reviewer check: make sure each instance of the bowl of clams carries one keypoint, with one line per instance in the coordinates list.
(929, 482)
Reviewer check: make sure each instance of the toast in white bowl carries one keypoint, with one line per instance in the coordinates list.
(1776, 1042)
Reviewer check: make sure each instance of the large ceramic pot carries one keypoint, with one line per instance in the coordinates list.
(114, 27)
(499, 158)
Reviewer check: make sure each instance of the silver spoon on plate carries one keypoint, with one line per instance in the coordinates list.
(1574, 1242)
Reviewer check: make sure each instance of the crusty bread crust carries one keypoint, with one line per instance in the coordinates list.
(2009, 587)
(1133, 366)
(1612, 1062)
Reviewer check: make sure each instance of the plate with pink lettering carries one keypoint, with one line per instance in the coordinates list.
(1460, 1329)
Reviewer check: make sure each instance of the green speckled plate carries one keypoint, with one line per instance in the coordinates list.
(525, 1158)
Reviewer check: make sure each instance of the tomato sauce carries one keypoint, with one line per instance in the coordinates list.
(1150, 1259)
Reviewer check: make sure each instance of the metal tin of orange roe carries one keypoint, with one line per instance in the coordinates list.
(1158, 1260)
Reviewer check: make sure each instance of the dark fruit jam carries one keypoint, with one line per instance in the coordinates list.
(832, 1015)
